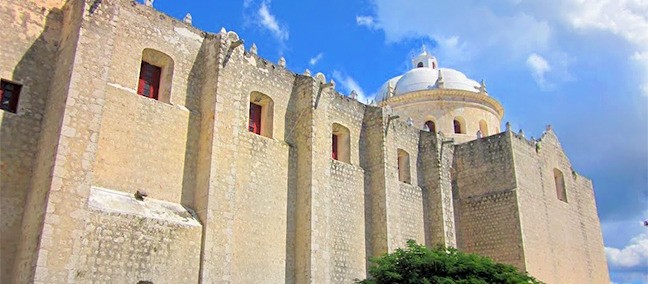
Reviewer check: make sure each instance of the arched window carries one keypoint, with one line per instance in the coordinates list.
(404, 167)
(156, 75)
(483, 128)
(559, 180)
(340, 143)
(459, 125)
(430, 126)
(419, 65)
(260, 116)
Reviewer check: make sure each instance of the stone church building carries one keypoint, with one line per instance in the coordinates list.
(135, 147)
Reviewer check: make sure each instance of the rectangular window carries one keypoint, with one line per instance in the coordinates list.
(9, 93)
(334, 144)
(149, 80)
(254, 124)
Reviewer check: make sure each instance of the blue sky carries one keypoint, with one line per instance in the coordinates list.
(581, 66)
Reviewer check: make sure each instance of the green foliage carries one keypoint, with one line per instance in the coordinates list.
(418, 264)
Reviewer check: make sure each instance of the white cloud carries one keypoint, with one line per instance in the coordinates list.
(641, 58)
(624, 18)
(539, 66)
(504, 34)
(633, 256)
(269, 21)
(348, 84)
(314, 60)
(366, 21)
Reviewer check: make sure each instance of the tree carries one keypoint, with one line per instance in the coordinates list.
(444, 265)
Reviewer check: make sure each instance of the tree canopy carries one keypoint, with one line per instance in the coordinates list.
(444, 265)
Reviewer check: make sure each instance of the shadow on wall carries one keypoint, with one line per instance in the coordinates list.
(20, 132)
(195, 86)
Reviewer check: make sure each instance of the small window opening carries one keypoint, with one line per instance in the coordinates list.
(156, 75)
(260, 114)
(483, 128)
(255, 118)
(404, 167)
(559, 180)
(459, 126)
(9, 94)
(149, 80)
(419, 65)
(340, 143)
(430, 126)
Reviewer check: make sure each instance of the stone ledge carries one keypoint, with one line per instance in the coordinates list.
(117, 202)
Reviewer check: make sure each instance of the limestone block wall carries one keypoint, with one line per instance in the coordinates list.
(405, 217)
(127, 241)
(564, 238)
(343, 199)
(74, 121)
(144, 144)
(347, 223)
(374, 161)
(486, 210)
(31, 33)
(434, 162)
(48, 143)
(298, 122)
(245, 204)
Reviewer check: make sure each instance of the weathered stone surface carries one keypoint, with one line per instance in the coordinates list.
(225, 205)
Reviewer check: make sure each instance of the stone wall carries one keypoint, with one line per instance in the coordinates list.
(31, 32)
(564, 238)
(436, 154)
(140, 138)
(126, 241)
(245, 205)
(404, 201)
(344, 198)
(224, 204)
(48, 143)
(486, 207)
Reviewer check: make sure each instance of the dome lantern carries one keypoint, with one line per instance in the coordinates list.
(424, 60)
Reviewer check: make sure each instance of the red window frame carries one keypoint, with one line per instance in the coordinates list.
(9, 95)
(149, 80)
(254, 122)
(334, 146)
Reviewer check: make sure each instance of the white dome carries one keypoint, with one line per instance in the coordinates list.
(383, 93)
(456, 80)
(417, 79)
(426, 78)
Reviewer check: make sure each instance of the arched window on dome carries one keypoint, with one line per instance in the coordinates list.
(431, 126)
(483, 128)
(459, 125)
(419, 65)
